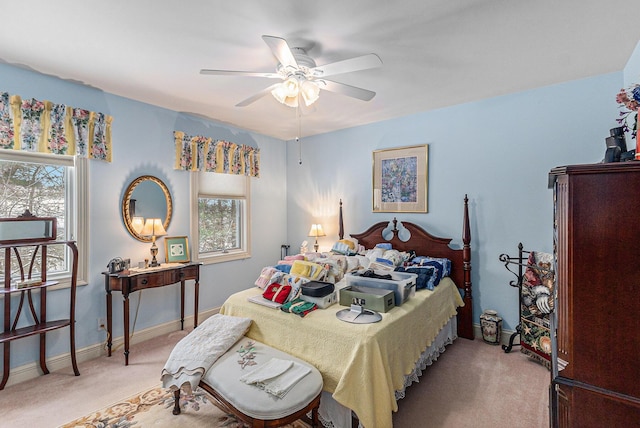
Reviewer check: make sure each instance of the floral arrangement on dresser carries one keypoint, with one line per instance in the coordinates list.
(629, 101)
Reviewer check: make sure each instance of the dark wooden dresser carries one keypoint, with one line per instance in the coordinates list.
(596, 348)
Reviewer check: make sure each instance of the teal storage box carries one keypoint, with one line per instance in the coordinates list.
(376, 299)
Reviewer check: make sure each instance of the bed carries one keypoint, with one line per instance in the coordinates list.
(362, 370)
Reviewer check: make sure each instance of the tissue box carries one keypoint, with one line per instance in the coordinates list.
(403, 284)
(376, 299)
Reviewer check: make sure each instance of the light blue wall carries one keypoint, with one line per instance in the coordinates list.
(632, 68)
(143, 144)
(498, 151)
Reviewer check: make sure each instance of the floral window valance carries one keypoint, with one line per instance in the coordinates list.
(197, 153)
(46, 127)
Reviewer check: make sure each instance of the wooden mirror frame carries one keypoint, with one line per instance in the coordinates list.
(126, 205)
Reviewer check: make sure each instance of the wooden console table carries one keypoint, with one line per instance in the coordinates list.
(132, 280)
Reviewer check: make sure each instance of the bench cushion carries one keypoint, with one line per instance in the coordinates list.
(224, 377)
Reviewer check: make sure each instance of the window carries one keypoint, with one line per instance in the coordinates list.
(220, 211)
(49, 186)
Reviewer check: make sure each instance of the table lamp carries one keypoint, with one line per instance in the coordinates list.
(315, 231)
(153, 227)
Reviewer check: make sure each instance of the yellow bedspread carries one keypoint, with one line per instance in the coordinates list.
(362, 365)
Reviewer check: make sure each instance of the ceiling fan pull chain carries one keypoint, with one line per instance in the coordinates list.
(299, 135)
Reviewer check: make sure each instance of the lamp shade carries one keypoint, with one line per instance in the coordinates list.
(137, 223)
(288, 91)
(316, 230)
(310, 92)
(153, 227)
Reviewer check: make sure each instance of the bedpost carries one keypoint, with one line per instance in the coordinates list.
(465, 317)
(341, 223)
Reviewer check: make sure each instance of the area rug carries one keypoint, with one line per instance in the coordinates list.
(153, 408)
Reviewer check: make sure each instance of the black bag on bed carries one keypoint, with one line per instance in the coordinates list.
(317, 288)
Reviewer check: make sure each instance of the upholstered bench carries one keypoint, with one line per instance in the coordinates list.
(251, 404)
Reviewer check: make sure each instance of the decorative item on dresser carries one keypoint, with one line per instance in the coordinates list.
(27, 241)
(595, 368)
(132, 280)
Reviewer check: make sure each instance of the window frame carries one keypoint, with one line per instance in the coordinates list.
(77, 206)
(218, 256)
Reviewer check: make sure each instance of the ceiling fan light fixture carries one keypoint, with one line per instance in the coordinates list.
(291, 87)
(287, 92)
(285, 96)
(291, 101)
(310, 92)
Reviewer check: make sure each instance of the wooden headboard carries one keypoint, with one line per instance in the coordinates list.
(425, 244)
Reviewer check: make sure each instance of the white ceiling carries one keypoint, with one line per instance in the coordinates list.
(435, 53)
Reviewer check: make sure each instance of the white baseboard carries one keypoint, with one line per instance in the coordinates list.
(504, 337)
(32, 370)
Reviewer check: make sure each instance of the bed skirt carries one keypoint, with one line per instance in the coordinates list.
(334, 415)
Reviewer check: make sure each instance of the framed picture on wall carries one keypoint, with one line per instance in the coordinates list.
(400, 179)
(176, 249)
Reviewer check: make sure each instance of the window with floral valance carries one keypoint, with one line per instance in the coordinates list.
(197, 153)
(46, 127)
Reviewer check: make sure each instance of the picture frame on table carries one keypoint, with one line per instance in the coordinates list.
(400, 179)
(176, 249)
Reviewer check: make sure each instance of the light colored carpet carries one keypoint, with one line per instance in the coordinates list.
(471, 385)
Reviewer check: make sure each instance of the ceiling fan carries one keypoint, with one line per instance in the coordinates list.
(301, 79)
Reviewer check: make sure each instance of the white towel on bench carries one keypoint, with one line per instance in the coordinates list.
(194, 354)
(276, 376)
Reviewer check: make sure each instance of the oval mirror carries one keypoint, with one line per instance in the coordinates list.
(146, 197)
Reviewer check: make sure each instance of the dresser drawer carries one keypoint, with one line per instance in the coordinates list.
(155, 279)
(190, 272)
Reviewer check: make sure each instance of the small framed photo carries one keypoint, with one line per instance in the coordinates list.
(176, 249)
(400, 179)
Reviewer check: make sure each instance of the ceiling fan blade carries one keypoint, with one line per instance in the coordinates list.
(281, 50)
(240, 73)
(348, 90)
(256, 97)
(363, 62)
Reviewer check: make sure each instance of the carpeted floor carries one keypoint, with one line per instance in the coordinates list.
(471, 385)
(154, 408)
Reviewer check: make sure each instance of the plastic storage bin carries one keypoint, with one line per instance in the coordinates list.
(403, 284)
(322, 302)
